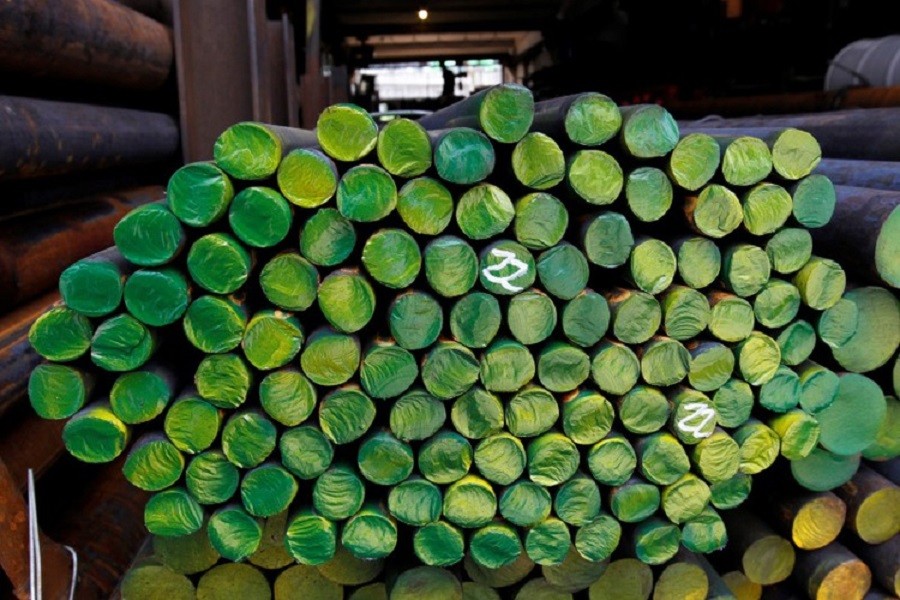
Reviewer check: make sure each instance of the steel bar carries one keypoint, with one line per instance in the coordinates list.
(864, 233)
(29, 443)
(17, 358)
(49, 138)
(26, 196)
(878, 175)
(782, 104)
(216, 48)
(504, 112)
(85, 40)
(872, 506)
(35, 249)
(528, 435)
(832, 571)
(863, 134)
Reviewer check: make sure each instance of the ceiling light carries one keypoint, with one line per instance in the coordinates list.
(423, 14)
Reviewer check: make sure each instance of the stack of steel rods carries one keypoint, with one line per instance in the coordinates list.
(174, 575)
(791, 543)
(508, 334)
(808, 561)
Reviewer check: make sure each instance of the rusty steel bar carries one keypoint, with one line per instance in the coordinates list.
(788, 103)
(212, 50)
(230, 46)
(93, 41)
(35, 249)
(29, 442)
(43, 138)
(17, 358)
(262, 56)
(290, 71)
(25, 196)
(276, 97)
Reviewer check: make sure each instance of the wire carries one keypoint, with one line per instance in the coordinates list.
(74, 571)
(34, 546)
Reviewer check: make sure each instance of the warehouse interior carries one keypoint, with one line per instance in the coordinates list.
(104, 102)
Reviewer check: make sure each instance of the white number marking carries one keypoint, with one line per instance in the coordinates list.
(701, 411)
(509, 259)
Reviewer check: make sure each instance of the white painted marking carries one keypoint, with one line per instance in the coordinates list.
(509, 259)
(701, 411)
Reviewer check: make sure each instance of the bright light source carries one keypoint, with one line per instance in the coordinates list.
(423, 14)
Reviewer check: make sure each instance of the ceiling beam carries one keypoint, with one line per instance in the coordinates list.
(502, 58)
(364, 31)
(440, 38)
(433, 51)
(443, 16)
(380, 6)
(442, 20)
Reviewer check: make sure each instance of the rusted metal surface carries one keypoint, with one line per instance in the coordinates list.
(35, 249)
(788, 103)
(94, 41)
(43, 138)
(17, 358)
(14, 546)
(313, 90)
(277, 64)
(29, 442)
(290, 71)
(25, 196)
(261, 56)
(212, 54)
(232, 67)
(338, 84)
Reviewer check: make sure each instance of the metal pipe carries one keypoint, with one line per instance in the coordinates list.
(862, 234)
(93, 41)
(873, 174)
(788, 103)
(20, 197)
(866, 134)
(35, 249)
(17, 358)
(47, 138)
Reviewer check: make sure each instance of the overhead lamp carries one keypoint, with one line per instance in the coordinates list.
(423, 13)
